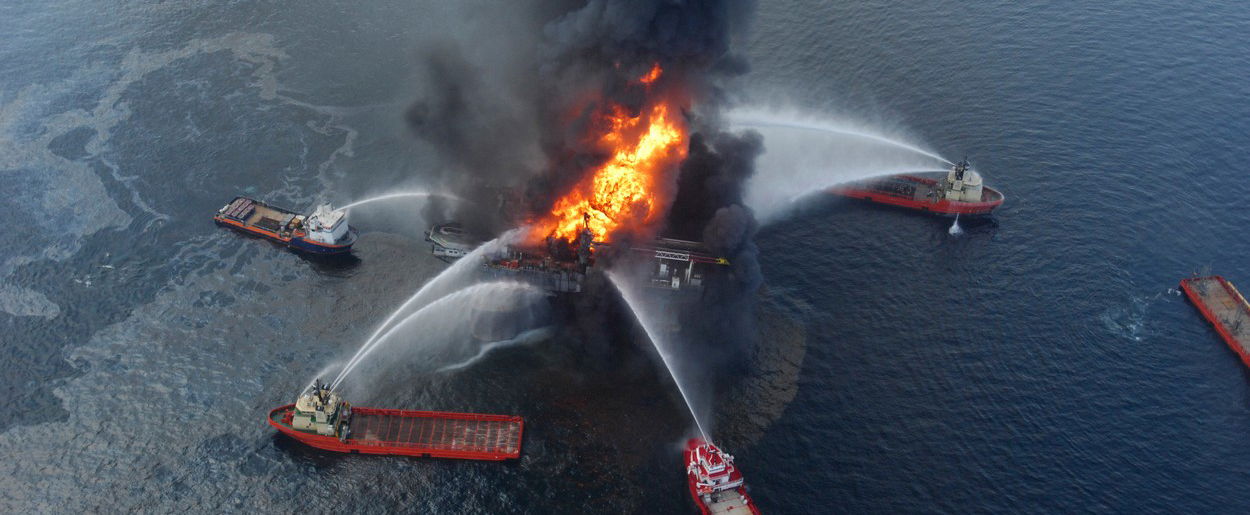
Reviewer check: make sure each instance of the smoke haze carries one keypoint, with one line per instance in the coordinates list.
(511, 106)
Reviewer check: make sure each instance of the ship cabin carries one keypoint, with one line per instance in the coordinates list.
(326, 225)
(714, 469)
(962, 184)
(320, 411)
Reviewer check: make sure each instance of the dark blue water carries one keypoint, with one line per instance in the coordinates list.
(1036, 363)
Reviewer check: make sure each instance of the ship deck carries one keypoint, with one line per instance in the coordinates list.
(253, 213)
(1226, 309)
(267, 213)
(900, 186)
(427, 434)
(920, 190)
(433, 431)
(728, 501)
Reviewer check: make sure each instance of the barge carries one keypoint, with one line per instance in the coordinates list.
(716, 484)
(959, 191)
(1222, 305)
(322, 419)
(325, 231)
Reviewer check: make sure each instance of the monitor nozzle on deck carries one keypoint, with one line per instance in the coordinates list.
(320, 410)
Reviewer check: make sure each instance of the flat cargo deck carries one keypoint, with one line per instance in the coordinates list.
(436, 434)
(443, 432)
(1226, 309)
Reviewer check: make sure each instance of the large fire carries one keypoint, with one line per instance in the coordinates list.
(624, 191)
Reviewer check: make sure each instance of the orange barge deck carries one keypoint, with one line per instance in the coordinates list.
(429, 434)
(1226, 309)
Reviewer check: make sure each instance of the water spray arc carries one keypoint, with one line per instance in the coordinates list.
(427, 293)
(806, 156)
(772, 207)
(839, 130)
(888, 173)
(463, 295)
(392, 196)
(665, 356)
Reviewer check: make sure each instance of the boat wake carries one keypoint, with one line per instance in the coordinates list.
(1129, 321)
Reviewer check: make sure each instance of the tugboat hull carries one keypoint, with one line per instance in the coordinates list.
(312, 247)
(426, 434)
(918, 192)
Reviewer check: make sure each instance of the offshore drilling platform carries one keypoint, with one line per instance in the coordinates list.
(559, 266)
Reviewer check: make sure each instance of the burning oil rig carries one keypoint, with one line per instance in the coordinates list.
(559, 266)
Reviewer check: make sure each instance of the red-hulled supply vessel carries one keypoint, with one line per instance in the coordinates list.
(322, 419)
(325, 231)
(1222, 305)
(715, 482)
(959, 191)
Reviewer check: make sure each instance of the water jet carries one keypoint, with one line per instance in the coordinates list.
(803, 157)
(442, 284)
(441, 319)
(392, 196)
(644, 319)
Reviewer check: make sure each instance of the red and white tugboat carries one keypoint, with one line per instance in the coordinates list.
(959, 191)
(715, 483)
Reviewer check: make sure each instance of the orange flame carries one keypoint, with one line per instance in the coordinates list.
(652, 75)
(622, 191)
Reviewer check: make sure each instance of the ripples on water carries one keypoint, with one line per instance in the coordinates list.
(1029, 364)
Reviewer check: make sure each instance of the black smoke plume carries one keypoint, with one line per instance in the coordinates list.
(509, 105)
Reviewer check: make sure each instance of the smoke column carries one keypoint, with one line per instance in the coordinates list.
(508, 105)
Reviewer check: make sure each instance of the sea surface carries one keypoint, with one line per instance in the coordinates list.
(1037, 362)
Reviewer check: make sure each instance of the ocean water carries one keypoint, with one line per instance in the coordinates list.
(1038, 362)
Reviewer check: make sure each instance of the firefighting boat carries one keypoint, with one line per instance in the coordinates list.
(959, 191)
(325, 231)
(716, 485)
(322, 419)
